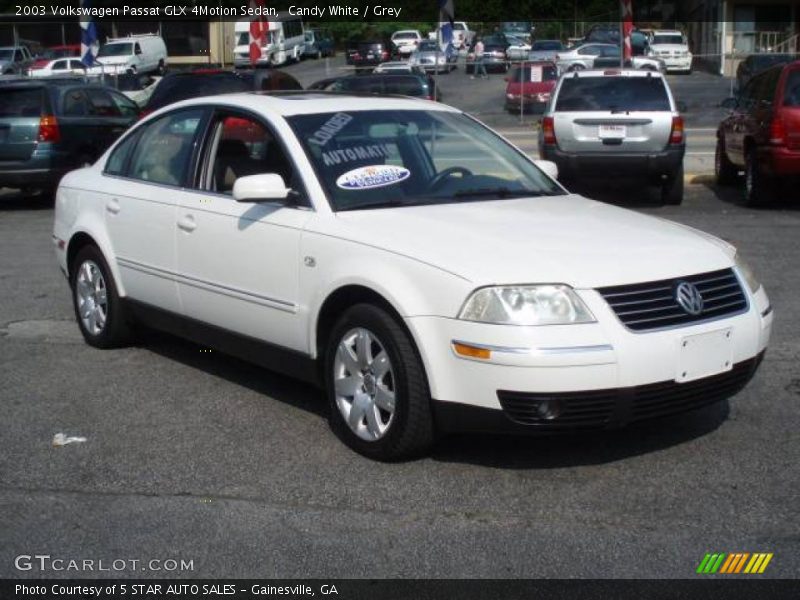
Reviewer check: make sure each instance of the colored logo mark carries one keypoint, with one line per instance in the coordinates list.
(736, 562)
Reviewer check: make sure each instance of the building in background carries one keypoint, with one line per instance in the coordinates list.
(723, 32)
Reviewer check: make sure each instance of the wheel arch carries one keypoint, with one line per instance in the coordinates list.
(82, 238)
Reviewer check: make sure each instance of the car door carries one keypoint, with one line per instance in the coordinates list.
(239, 261)
(144, 183)
(735, 127)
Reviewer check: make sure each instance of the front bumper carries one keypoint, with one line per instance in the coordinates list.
(677, 64)
(597, 375)
(780, 161)
(603, 164)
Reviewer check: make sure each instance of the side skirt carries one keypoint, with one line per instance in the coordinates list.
(275, 358)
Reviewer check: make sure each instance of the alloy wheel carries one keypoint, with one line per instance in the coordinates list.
(91, 297)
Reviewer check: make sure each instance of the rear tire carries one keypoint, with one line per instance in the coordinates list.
(724, 169)
(672, 189)
(377, 389)
(757, 187)
(99, 311)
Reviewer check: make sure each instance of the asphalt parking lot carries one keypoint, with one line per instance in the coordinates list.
(193, 456)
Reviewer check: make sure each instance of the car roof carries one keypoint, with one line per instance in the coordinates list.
(611, 72)
(312, 102)
(667, 32)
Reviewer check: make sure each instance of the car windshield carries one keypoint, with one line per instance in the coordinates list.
(6, 54)
(616, 94)
(429, 46)
(405, 35)
(392, 158)
(534, 73)
(180, 87)
(670, 38)
(115, 50)
(547, 45)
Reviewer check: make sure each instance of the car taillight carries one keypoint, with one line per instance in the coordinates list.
(676, 135)
(144, 113)
(549, 131)
(384, 55)
(777, 131)
(48, 129)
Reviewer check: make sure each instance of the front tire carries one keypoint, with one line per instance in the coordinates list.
(724, 169)
(376, 384)
(98, 308)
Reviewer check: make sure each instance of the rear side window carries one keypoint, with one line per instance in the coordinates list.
(101, 104)
(791, 95)
(75, 104)
(20, 102)
(612, 93)
(165, 148)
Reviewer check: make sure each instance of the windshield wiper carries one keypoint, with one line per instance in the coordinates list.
(388, 204)
(499, 192)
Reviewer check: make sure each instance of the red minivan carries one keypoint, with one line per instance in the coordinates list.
(531, 84)
(761, 135)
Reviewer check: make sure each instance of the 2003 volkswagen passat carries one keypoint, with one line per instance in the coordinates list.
(416, 264)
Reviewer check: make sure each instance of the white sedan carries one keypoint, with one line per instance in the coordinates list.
(419, 267)
(60, 66)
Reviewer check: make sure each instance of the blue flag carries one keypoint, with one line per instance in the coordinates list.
(89, 41)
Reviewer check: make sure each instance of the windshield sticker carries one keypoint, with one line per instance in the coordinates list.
(376, 176)
(344, 155)
(330, 128)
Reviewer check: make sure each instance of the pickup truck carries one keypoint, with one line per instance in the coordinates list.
(15, 60)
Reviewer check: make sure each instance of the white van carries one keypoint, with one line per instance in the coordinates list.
(284, 42)
(136, 53)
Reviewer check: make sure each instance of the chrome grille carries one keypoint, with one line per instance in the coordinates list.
(652, 305)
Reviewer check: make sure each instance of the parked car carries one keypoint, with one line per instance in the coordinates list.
(49, 127)
(758, 63)
(622, 123)
(603, 34)
(368, 54)
(494, 54)
(545, 50)
(178, 86)
(412, 84)
(335, 241)
(405, 42)
(430, 56)
(135, 53)
(530, 85)
(600, 56)
(518, 47)
(462, 34)
(397, 66)
(521, 29)
(54, 52)
(319, 43)
(673, 48)
(57, 67)
(15, 60)
(762, 133)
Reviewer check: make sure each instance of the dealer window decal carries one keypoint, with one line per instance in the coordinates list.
(354, 153)
(375, 176)
(330, 128)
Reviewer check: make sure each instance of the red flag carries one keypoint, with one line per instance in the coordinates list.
(627, 28)
(258, 32)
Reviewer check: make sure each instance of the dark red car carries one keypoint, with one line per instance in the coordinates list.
(761, 135)
(531, 84)
(54, 52)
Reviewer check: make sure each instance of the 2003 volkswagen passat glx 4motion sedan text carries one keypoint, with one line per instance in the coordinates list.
(421, 268)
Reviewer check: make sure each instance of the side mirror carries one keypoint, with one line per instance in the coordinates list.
(729, 103)
(549, 167)
(260, 188)
(681, 106)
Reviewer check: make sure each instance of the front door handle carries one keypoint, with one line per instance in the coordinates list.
(187, 223)
(113, 206)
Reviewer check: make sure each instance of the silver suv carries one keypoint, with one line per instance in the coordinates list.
(616, 123)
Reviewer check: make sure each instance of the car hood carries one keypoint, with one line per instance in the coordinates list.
(113, 60)
(556, 239)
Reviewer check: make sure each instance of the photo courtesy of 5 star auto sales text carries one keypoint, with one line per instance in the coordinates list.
(399, 300)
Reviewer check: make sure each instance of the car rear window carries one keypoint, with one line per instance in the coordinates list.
(791, 95)
(534, 73)
(23, 102)
(612, 93)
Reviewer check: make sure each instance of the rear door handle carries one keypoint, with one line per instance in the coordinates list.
(187, 223)
(113, 206)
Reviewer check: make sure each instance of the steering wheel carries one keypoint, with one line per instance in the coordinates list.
(440, 177)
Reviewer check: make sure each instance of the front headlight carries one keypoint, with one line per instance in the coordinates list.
(747, 273)
(526, 305)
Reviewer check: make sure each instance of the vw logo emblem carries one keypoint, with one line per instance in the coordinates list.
(689, 298)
